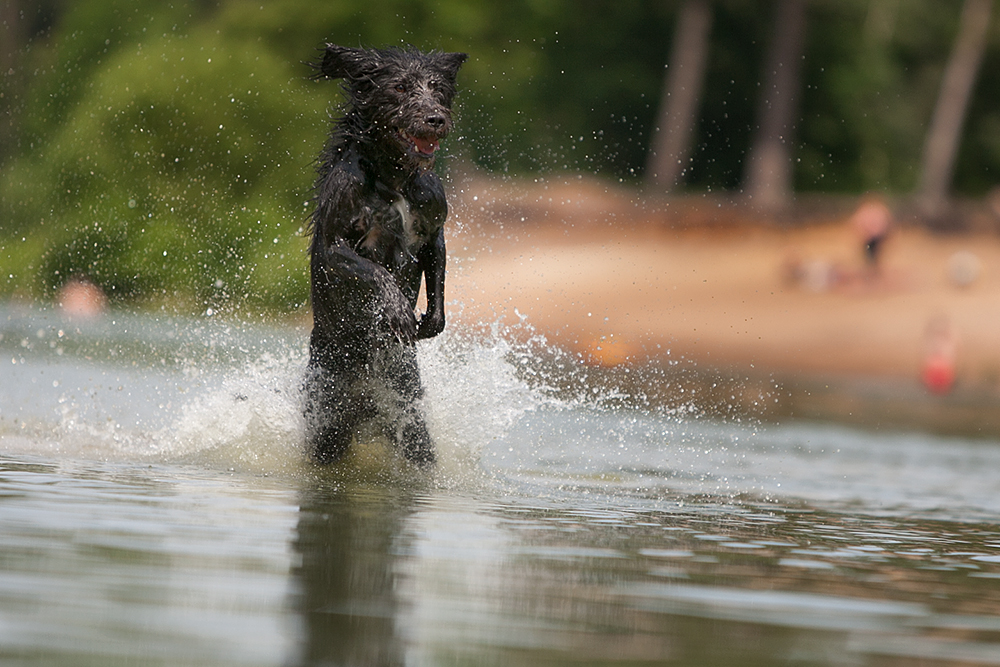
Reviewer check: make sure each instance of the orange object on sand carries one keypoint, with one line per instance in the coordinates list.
(608, 352)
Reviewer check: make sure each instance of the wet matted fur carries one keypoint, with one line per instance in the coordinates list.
(377, 232)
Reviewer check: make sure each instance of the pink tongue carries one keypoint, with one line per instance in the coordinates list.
(425, 146)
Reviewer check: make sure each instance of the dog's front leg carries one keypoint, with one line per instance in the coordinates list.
(363, 296)
(432, 259)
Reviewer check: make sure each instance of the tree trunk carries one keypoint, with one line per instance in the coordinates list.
(671, 137)
(880, 23)
(768, 176)
(13, 37)
(945, 133)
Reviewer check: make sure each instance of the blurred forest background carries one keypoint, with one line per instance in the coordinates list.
(164, 149)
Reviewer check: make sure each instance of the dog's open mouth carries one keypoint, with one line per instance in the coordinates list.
(424, 146)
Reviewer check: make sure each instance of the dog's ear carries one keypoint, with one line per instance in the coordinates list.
(451, 62)
(339, 62)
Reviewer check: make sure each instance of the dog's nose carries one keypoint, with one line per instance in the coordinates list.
(436, 121)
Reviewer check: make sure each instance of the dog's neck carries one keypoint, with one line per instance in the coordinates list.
(373, 147)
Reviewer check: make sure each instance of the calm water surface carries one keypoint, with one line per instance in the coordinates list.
(155, 510)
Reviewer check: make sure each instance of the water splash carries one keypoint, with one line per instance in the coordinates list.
(251, 421)
(502, 404)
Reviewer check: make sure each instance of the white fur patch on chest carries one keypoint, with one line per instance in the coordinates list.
(408, 220)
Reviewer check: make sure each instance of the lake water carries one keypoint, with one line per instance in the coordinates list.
(155, 509)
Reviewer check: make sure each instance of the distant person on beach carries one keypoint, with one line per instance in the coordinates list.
(940, 352)
(81, 299)
(872, 220)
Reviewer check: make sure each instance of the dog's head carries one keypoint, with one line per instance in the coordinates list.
(402, 96)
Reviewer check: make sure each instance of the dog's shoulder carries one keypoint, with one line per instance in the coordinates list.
(341, 174)
(340, 192)
(426, 198)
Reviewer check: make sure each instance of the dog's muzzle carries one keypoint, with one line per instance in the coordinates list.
(424, 146)
(425, 139)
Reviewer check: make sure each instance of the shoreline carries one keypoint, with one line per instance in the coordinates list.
(616, 282)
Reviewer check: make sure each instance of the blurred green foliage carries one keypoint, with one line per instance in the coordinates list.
(165, 149)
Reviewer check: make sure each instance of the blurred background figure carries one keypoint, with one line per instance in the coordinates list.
(81, 299)
(964, 268)
(872, 220)
(940, 350)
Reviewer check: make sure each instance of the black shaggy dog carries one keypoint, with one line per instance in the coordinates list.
(377, 229)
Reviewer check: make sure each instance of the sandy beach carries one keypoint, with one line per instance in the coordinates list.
(618, 279)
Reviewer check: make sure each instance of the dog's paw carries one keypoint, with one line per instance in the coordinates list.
(406, 329)
(401, 321)
(430, 326)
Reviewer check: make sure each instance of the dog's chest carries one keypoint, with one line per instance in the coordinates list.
(393, 232)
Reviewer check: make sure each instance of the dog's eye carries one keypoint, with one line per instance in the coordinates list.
(400, 88)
